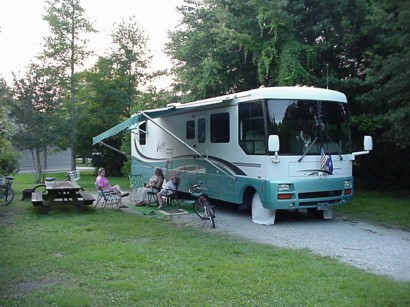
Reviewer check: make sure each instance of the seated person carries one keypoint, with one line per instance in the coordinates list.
(153, 186)
(169, 189)
(103, 183)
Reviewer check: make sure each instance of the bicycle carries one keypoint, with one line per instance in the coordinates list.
(6, 191)
(202, 207)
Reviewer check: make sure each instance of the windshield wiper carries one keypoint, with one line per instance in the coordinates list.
(307, 149)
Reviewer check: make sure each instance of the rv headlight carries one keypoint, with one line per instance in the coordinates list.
(348, 184)
(283, 187)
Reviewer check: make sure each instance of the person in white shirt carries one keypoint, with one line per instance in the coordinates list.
(169, 189)
(153, 186)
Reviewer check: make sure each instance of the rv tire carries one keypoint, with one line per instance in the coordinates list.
(261, 215)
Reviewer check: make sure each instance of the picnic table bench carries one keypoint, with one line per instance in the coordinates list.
(37, 199)
(87, 198)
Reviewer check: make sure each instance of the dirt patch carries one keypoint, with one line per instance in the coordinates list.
(7, 213)
(27, 287)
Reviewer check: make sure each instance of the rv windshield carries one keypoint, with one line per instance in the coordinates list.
(304, 126)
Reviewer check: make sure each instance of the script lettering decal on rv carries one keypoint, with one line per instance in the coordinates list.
(161, 146)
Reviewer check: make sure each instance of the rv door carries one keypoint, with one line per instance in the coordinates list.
(201, 139)
(202, 136)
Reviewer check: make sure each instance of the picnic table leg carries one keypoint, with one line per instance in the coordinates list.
(45, 209)
(75, 201)
(47, 203)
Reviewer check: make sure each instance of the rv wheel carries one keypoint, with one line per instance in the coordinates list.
(260, 215)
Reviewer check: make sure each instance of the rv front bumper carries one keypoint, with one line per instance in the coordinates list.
(319, 194)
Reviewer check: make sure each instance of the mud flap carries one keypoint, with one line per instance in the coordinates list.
(328, 214)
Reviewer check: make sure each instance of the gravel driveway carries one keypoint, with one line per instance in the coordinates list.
(376, 249)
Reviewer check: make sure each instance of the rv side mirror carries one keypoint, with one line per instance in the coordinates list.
(273, 143)
(368, 142)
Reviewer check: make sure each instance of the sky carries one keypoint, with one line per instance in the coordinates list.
(22, 29)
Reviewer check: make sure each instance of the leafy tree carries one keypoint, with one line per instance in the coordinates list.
(130, 58)
(337, 32)
(110, 89)
(225, 46)
(8, 155)
(282, 57)
(102, 103)
(388, 75)
(385, 98)
(39, 114)
(66, 49)
(208, 59)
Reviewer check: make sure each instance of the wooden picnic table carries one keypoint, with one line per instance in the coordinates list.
(62, 192)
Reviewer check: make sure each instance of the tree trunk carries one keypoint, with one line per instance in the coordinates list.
(45, 156)
(72, 96)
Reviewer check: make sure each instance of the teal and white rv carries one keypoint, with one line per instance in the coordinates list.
(268, 149)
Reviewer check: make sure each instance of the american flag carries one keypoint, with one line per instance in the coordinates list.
(323, 160)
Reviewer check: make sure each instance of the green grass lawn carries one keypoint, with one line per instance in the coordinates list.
(387, 209)
(113, 258)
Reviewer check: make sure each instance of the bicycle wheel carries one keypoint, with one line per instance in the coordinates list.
(212, 210)
(6, 195)
(210, 214)
(199, 209)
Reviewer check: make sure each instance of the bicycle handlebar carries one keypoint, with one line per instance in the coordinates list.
(195, 190)
(7, 178)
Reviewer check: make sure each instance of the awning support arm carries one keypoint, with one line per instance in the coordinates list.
(123, 153)
(115, 149)
(188, 146)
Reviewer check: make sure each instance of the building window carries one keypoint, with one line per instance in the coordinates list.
(190, 129)
(220, 128)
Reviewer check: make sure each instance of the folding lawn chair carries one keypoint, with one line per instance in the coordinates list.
(172, 199)
(107, 197)
(152, 195)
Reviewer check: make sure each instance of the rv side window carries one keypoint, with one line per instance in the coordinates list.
(190, 129)
(251, 128)
(142, 133)
(201, 130)
(220, 128)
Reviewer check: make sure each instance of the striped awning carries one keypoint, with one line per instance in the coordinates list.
(136, 118)
(116, 129)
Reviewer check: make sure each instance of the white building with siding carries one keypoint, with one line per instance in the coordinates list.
(59, 161)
